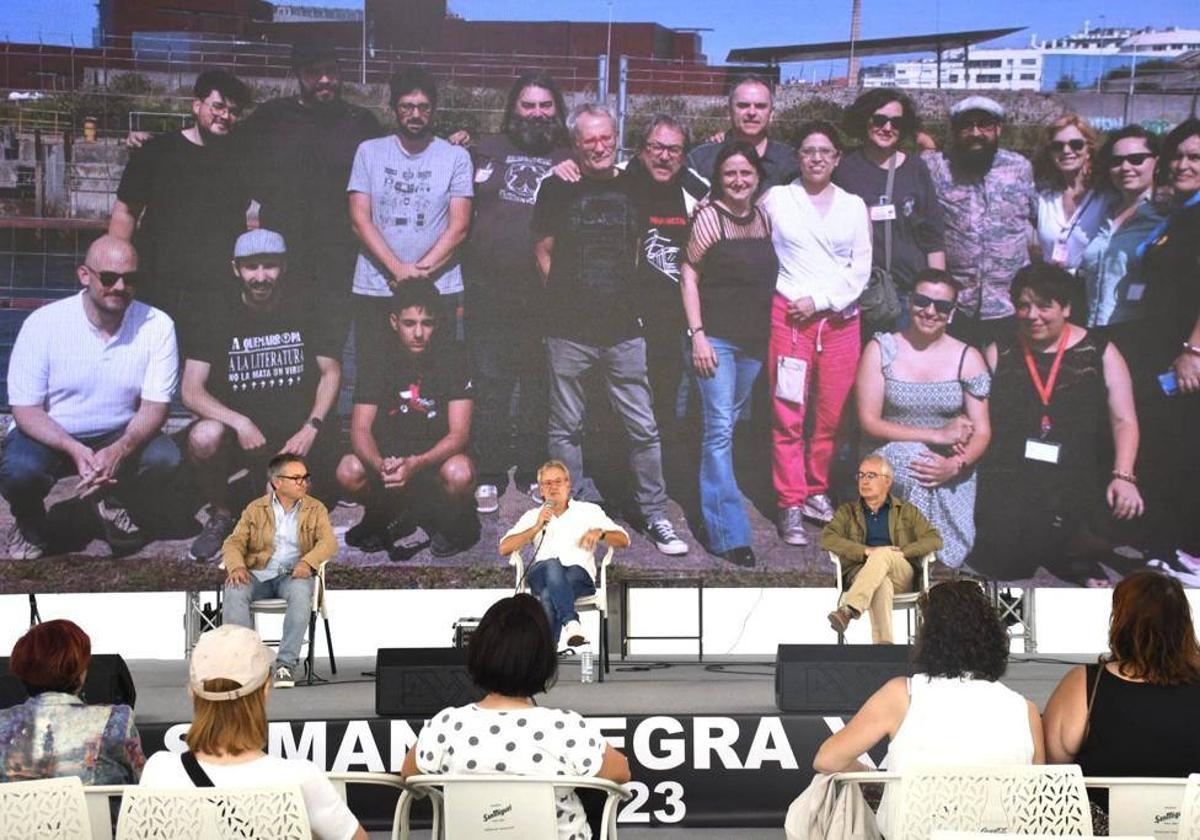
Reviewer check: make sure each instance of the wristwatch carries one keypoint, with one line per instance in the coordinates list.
(316, 423)
(691, 333)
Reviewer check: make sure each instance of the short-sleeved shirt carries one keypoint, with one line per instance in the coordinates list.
(989, 224)
(413, 396)
(328, 814)
(592, 291)
(264, 364)
(1116, 280)
(917, 228)
(87, 384)
(560, 538)
(534, 741)
(779, 161)
(410, 204)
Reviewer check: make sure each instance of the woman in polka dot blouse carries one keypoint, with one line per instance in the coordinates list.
(512, 658)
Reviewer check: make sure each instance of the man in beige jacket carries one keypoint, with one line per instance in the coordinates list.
(278, 545)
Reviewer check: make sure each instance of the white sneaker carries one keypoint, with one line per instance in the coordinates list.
(662, 534)
(574, 633)
(487, 498)
(818, 509)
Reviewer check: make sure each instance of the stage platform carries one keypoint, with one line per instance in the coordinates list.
(708, 747)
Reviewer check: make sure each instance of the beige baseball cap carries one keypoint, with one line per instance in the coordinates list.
(232, 653)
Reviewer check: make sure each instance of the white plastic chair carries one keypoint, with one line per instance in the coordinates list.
(906, 601)
(342, 781)
(43, 809)
(1189, 816)
(482, 807)
(597, 601)
(1139, 805)
(267, 813)
(987, 835)
(98, 799)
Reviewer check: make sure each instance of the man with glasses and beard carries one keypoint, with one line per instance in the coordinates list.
(70, 419)
(503, 289)
(988, 205)
(182, 199)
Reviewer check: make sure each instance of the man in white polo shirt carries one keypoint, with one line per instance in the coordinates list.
(564, 533)
(89, 382)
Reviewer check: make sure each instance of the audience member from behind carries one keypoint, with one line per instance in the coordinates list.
(953, 710)
(55, 733)
(229, 680)
(1132, 713)
(511, 657)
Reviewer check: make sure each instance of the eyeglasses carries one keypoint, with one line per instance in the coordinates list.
(982, 123)
(1060, 146)
(818, 152)
(299, 479)
(598, 142)
(919, 301)
(1135, 159)
(108, 279)
(658, 150)
(414, 107)
(552, 482)
(881, 120)
(224, 108)
(870, 476)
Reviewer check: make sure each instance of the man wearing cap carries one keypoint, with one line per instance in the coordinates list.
(262, 379)
(69, 419)
(281, 541)
(988, 206)
(302, 148)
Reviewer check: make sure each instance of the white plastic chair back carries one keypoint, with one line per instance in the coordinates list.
(985, 835)
(44, 809)
(98, 798)
(274, 813)
(1031, 799)
(1189, 816)
(479, 811)
(1149, 807)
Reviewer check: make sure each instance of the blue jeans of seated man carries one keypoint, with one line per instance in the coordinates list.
(557, 586)
(298, 592)
(722, 399)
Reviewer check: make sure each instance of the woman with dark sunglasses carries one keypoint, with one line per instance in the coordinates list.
(1069, 210)
(922, 405)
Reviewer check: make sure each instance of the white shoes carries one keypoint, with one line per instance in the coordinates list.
(487, 498)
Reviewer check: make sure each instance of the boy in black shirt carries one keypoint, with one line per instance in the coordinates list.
(261, 378)
(408, 432)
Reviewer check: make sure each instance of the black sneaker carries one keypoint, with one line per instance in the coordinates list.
(444, 545)
(212, 536)
(121, 533)
(368, 535)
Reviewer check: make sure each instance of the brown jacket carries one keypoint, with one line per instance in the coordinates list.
(253, 539)
(846, 534)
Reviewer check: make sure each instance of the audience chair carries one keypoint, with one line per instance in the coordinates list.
(1189, 816)
(986, 835)
(343, 781)
(597, 602)
(44, 809)
(1141, 805)
(100, 800)
(906, 601)
(267, 813)
(465, 806)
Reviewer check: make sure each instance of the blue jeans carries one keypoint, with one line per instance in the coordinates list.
(30, 469)
(722, 399)
(298, 592)
(557, 586)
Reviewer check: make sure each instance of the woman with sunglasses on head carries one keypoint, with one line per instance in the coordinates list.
(883, 119)
(922, 405)
(1069, 210)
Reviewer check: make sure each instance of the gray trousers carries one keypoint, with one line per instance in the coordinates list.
(624, 367)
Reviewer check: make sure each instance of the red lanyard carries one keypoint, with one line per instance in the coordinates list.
(1045, 390)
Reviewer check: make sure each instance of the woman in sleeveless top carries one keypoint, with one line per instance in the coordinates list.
(727, 283)
(953, 710)
(1133, 713)
(1045, 494)
(922, 405)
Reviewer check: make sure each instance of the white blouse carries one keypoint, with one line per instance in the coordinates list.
(1063, 240)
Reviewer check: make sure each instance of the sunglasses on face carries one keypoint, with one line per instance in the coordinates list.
(1060, 146)
(108, 279)
(1135, 159)
(880, 120)
(942, 307)
(981, 123)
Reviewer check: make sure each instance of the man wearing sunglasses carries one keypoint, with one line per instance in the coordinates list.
(89, 382)
(989, 208)
(281, 541)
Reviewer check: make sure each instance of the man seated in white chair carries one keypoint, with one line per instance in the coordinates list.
(564, 533)
(275, 550)
(880, 541)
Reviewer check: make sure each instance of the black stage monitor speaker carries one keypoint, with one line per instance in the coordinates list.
(834, 678)
(421, 681)
(108, 682)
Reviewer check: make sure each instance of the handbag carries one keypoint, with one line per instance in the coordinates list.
(879, 304)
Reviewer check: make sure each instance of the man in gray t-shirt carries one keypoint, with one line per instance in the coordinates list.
(410, 205)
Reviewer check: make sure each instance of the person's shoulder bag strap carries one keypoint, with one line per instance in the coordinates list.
(1087, 723)
(195, 772)
(887, 225)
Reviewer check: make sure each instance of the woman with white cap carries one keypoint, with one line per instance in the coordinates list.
(229, 683)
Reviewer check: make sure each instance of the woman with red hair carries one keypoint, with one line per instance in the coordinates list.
(55, 733)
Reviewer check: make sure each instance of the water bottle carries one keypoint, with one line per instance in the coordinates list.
(587, 665)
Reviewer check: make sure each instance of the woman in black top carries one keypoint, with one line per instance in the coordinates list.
(727, 282)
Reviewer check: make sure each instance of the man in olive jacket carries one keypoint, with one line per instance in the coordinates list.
(275, 550)
(880, 540)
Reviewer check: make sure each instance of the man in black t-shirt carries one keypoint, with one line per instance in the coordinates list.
(751, 106)
(182, 199)
(408, 435)
(586, 243)
(262, 377)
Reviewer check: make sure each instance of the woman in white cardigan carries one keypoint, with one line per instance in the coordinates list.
(822, 236)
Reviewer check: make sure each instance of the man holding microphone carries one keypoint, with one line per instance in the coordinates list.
(564, 533)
